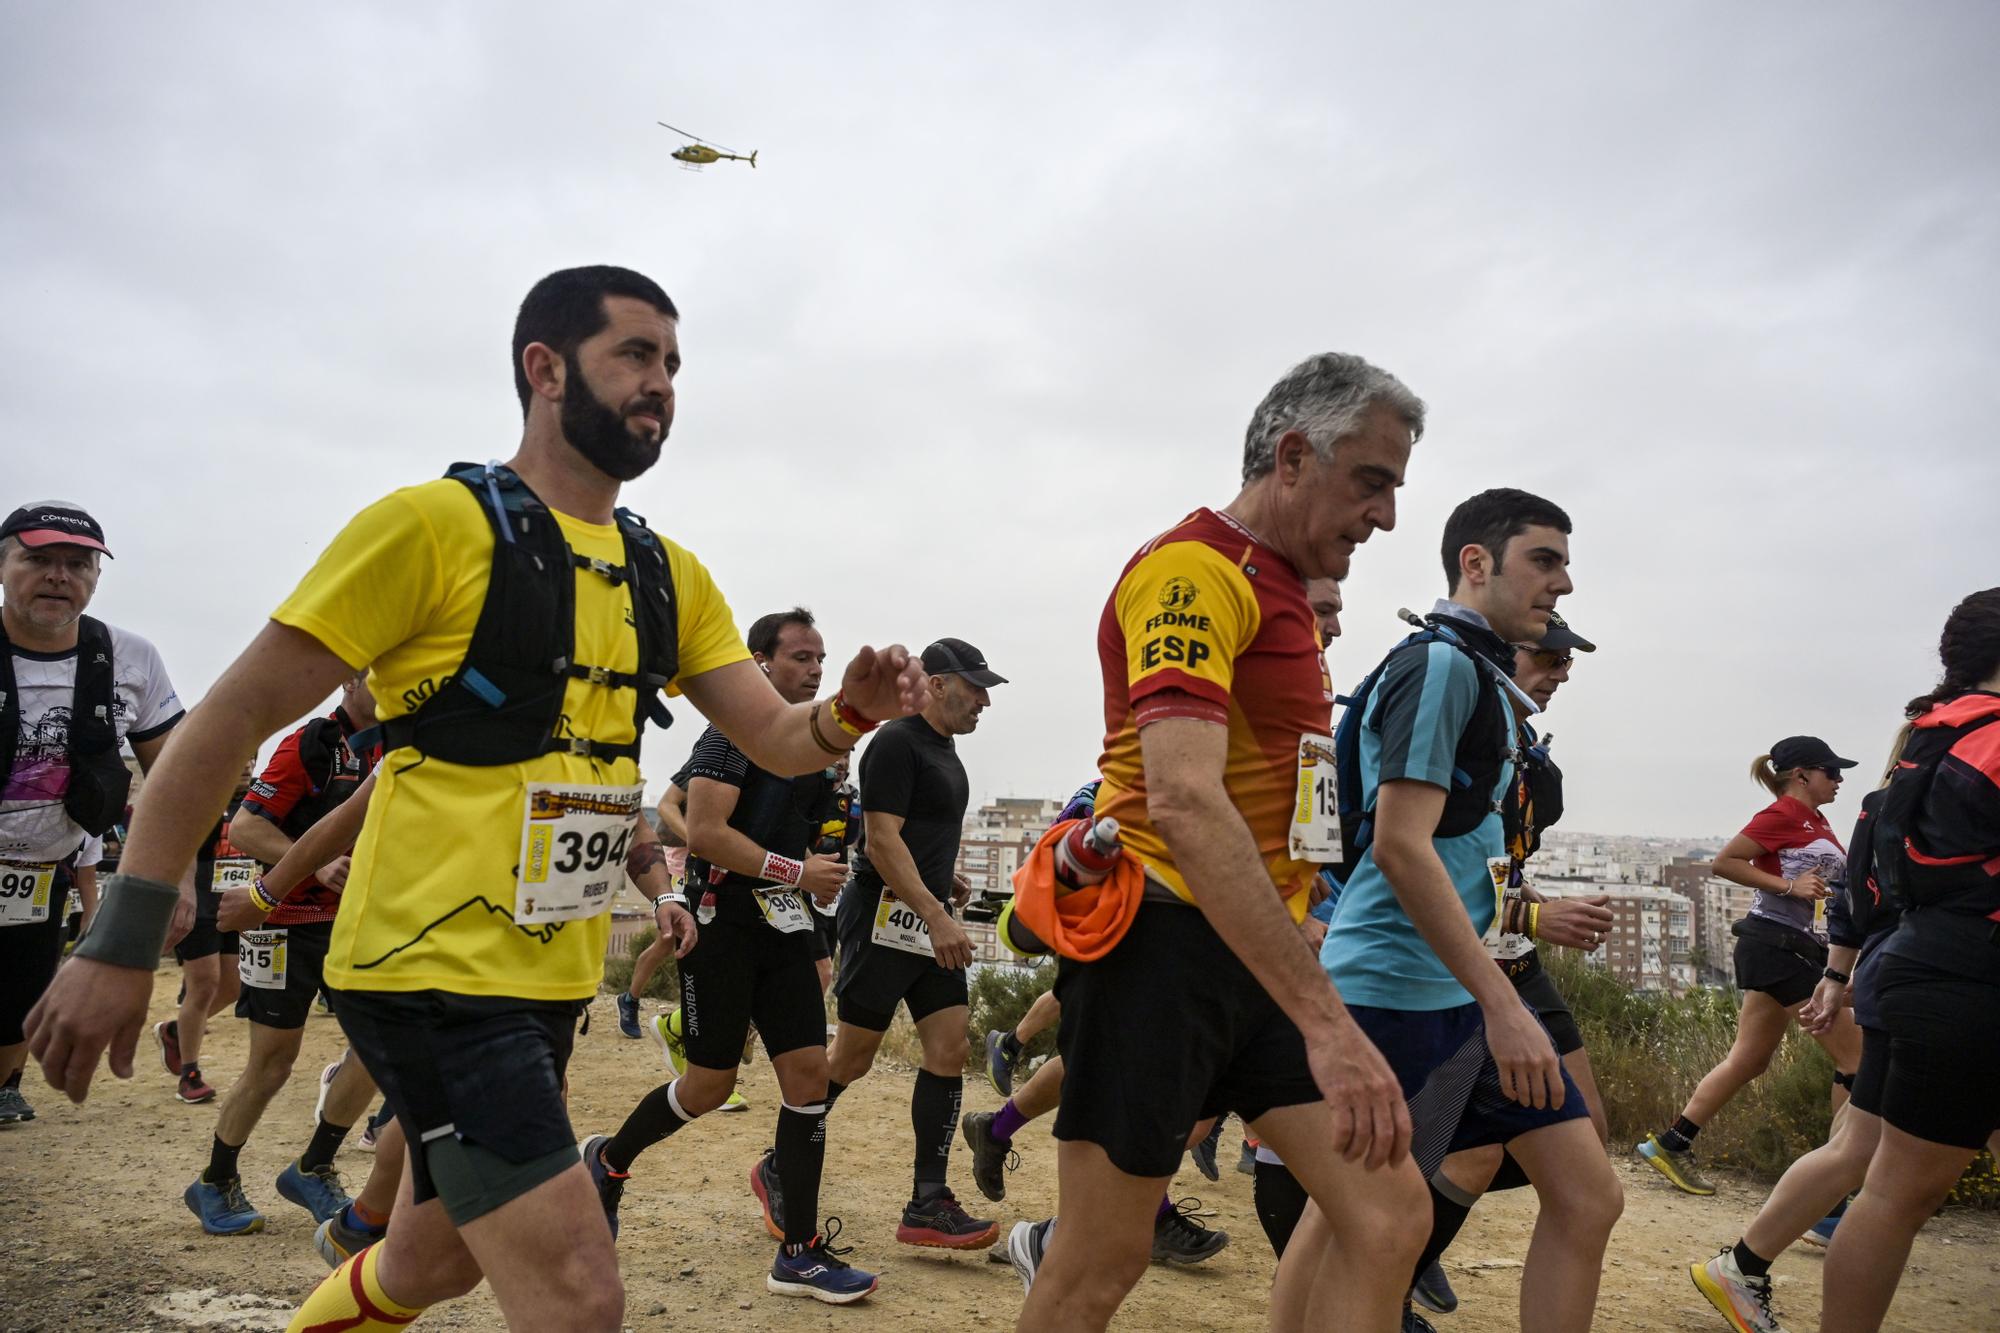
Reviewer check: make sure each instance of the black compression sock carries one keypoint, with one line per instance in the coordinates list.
(657, 1115)
(326, 1141)
(221, 1162)
(833, 1090)
(933, 1118)
(1449, 1208)
(1280, 1201)
(1680, 1137)
(1510, 1176)
(801, 1155)
(1011, 1044)
(13, 1080)
(1751, 1265)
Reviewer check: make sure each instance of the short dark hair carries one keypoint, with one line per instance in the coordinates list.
(567, 307)
(1492, 519)
(764, 633)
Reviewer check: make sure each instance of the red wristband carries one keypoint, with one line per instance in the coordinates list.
(782, 869)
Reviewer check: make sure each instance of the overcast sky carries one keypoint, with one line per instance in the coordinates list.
(997, 301)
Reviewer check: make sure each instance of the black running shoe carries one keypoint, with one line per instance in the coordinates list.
(1433, 1291)
(1179, 1239)
(1204, 1152)
(770, 1198)
(610, 1184)
(939, 1222)
(991, 1159)
(1416, 1323)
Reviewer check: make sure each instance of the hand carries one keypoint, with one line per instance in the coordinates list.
(237, 911)
(1371, 1121)
(1314, 930)
(676, 923)
(91, 1005)
(887, 684)
(178, 925)
(949, 943)
(822, 877)
(1530, 1072)
(1823, 1009)
(334, 873)
(1810, 885)
(1574, 923)
(961, 889)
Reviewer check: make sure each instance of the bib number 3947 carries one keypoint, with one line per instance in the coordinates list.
(573, 842)
(25, 891)
(1316, 813)
(899, 927)
(260, 959)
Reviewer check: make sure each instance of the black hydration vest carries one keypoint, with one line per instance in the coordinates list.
(1962, 883)
(99, 782)
(504, 704)
(330, 780)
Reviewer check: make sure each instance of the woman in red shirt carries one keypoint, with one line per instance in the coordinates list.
(1791, 856)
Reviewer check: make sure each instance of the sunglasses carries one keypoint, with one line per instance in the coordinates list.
(1548, 659)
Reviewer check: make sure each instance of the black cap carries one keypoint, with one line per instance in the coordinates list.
(1560, 637)
(54, 523)
(956, 657)
(1806, 752)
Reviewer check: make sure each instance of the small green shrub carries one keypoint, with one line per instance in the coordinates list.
(1000, 998)
(666, 982)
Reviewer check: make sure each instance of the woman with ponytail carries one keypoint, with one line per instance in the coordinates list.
(1933, 1070)
(1790, 855)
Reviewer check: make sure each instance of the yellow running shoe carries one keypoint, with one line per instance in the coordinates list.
(1677, 1167)
(665, 1030)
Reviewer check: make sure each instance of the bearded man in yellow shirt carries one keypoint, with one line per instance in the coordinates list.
(517, 629)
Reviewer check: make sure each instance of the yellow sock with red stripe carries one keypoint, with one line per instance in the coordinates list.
(351, 1300)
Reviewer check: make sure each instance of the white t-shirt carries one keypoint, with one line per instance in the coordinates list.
(33, 824)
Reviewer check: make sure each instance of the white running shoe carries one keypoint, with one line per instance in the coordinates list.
(1744, 1301)
(326, 1078)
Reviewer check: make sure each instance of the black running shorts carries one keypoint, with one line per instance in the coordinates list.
(29, 955)
(205, 941)
(740, 973)
(874, 979)
(826, 935)
(1942, 1080)
(290, 1005)
(1534, 985)
(1167, 1029)
(477, 1082)
(1779, 973)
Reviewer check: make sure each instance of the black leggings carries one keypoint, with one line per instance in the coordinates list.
(1281, 1201)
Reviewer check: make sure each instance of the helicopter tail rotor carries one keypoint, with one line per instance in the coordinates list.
(753, 159)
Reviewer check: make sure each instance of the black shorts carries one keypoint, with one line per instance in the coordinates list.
(874, 979)
(1534, 985)
(290, 1005)
(1942, 1034)
(1451, 1083)
(205, 940)
(1167, 1029)
(1872, 1077)
(826, 934)
(740, 973)
(29, 955)
(1781, 974)
(470, 1076)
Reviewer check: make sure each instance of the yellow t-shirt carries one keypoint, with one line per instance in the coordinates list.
(429, 900)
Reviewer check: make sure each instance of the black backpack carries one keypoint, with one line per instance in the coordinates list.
(99, 782)
(1901, 871)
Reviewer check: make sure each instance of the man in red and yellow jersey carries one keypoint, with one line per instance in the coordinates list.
(1218, 766)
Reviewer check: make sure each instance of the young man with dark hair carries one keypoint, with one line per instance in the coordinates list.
(472, 929)
(900, 941)
(750, 874)
(1437, 742)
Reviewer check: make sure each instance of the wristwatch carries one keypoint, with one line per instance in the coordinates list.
(1831, 975)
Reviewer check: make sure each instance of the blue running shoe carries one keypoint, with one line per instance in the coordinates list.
(628, 1015)
(341, 1238)
(819, 1272)
(1000, 1062)
(610, 1184)
(1821, 1234)
(318, 1192)
(223, 1209)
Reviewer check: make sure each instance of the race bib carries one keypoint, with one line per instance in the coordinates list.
(260, 958)
(1316, 814)
(899, 927)
(1503, 948)
(784, 910)
(573, 841)
(238, 872)
(25, 891)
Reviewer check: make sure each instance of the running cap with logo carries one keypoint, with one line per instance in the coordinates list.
(1806, 752)
(54, 523)
(1559, 637)
(956, 657)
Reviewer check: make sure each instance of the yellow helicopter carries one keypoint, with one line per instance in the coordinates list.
(696, 155)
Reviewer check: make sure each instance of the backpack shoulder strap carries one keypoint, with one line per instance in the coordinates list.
(93, 726)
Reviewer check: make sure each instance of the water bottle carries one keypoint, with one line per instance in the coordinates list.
(1087, 853)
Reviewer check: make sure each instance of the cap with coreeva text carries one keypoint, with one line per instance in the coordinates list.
(956, 657)
(1806, 752)
(53, 523)
(1561, 638)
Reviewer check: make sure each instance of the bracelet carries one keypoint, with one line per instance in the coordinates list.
(680, 898)
(819, 737)
(1788, 886)
(782, 869)
(1832, 975)
(849, 718)
(262, 896)
(1534, 921)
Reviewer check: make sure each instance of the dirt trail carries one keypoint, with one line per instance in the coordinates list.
(97, 1237)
